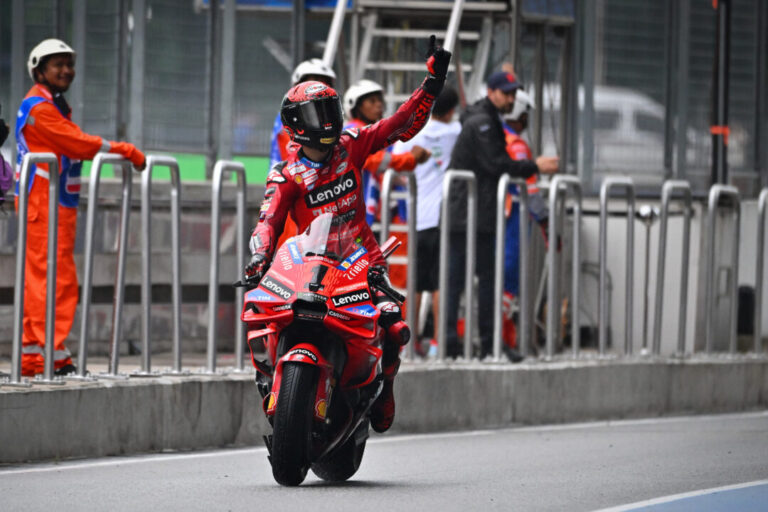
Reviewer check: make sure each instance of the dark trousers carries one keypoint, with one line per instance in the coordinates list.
(484, 267)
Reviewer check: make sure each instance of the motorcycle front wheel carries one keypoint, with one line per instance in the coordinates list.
(291, 438)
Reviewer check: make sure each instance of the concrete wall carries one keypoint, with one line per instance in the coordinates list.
(150, 415)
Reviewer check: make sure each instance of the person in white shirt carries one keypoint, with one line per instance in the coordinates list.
(438, 136)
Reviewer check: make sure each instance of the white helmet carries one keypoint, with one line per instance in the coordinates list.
(523, 103)
(44, 49)
(312, 67)
(357, 91)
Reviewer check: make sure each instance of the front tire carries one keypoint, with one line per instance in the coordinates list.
(291, 439)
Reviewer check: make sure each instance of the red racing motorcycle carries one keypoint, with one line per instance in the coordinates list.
(314, 313)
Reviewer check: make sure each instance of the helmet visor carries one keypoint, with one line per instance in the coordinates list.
(320, 114)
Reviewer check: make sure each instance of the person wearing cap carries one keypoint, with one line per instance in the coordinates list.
(44, 125)
(481, 148)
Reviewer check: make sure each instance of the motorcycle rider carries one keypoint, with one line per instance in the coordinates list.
(324, 175)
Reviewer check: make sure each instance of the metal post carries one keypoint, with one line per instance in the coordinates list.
(21, 252)
(715, 193)
(605, 190)
(761, 214)
(226, 104)
(99, 162)
(221, 167)
(721, 92)
(452, 176)
(146, 260)
(453, 25)
(557, 185)
(666, 194)
(524, 265)
(413, 255)
(329, 54)
(136, 119)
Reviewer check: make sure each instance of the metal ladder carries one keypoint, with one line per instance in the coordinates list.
(393, 39)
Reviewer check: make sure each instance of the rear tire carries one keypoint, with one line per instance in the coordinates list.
(291, 439)
(345, 461)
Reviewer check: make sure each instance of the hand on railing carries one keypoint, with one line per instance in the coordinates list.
(548, 164)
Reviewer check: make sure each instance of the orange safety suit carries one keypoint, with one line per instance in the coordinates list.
(42, 127)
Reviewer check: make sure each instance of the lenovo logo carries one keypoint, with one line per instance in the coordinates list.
(354, 297)
(331, 191)
(276, 287)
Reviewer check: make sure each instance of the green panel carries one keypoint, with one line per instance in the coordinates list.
(192, 167)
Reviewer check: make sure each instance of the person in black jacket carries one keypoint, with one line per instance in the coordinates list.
(481, 148)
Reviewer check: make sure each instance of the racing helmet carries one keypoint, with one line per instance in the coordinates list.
(523, 103)
(312, 67)
(44, 49)
(356, 91)
(311, 115)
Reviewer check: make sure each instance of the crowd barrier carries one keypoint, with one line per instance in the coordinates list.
(605, 190)
(524, 331)
(387, 184)
(146, 262)
(562, 189)
(29, 160)
(451, 177)
(667, 190)
(222, 168)
(558, 190)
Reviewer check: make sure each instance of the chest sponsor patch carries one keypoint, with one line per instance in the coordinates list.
(276, 287)
(353, 297)
(332, 191)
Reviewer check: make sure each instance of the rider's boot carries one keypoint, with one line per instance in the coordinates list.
(398, 334)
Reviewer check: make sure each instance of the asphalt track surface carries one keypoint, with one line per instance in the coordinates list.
(714, 463)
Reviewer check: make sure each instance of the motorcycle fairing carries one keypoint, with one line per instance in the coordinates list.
(304, 353)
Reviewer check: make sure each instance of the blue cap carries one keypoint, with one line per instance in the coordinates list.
(504, 81)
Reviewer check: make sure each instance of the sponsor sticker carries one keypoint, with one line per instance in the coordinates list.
(275, 286)
(364, 310)
(358, 267)
(332, 191)
(352, 258)
(327, 140)
(334, 314)
(258, 295)
(341, 167)
(353, 297)
(312, 297)
(302, 352)
(314, 88)
(294, 250)
(282, 307)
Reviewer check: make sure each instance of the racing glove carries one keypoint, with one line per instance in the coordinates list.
(256, 269)
(437, 64)
(130, 152)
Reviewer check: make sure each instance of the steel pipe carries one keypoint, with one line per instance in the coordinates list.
(413, 237)
(146, 260)
(99, 162)
(525, 295)
(452, 176)
(560, 185)
(628, 185)
(220, 169)
(28, 161)
(667, 190)
(715, 194)
(759, 265)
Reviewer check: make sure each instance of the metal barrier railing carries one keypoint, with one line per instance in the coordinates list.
(146, 261)
(666, 195)
(222, 167)
(525, 295)
(715, 194)
(605, 190)
(21, 251)
(99, 162)
(452, 176)
(386, 189)
(557, 187)
(761, 214)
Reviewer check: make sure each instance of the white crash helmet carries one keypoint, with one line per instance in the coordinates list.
(357, 91)
(44, 49)
(312, 67)
(523, 103)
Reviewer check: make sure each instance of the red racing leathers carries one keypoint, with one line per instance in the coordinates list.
(306, 188)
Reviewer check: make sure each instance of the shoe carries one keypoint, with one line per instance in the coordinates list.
(512, 354)
(67, 369)
(383, 409)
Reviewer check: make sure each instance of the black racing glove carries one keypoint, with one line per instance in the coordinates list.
(437, 64)
(256, 269)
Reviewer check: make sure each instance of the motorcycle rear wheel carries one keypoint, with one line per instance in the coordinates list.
(345, 461)
(291, 438)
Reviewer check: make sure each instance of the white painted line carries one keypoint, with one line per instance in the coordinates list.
(676, 497)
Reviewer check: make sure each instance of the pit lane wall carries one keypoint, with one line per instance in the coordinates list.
(195, 412)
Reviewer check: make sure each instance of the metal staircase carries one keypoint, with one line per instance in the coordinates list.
(389, 39)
